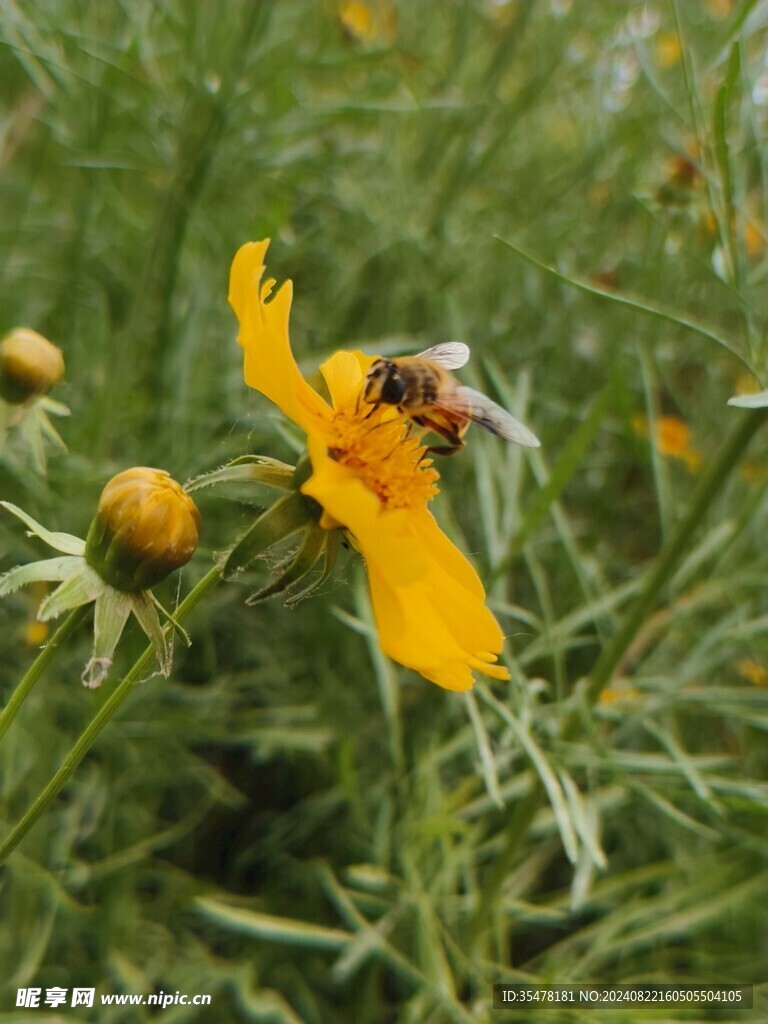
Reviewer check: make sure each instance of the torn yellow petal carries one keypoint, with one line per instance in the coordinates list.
(269, 364)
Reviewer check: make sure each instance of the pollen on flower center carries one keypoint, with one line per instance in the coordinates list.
(377, 446)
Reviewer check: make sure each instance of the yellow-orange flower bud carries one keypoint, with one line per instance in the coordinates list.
(145, 527)
(29, 365)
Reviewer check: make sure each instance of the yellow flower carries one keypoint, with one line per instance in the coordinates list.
(719, 9)
(29, 365)
(754, 239)
(144, 529)
(668, 49)
(366, 23)
(372, 479)
(621, 692)
(672, 437)
(753, 471)
(752, 671)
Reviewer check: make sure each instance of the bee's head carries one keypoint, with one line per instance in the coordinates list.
(384, 384)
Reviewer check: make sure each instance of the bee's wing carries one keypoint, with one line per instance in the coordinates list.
(451, 355)
(484, 411)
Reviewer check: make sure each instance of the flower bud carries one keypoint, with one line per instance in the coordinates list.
(145, 527)
(29, 365)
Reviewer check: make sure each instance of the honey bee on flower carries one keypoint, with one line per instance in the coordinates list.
(423, 389)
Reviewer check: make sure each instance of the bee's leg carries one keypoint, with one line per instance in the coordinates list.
(444, 449)
(452, 436)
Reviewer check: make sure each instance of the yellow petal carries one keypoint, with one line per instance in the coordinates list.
(347, 500)
(344, 374)
(433, 625)
(269, 364)
(427, 599)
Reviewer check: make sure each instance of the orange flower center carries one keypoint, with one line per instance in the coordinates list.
(379, 446)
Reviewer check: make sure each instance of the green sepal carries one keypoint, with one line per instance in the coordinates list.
(145, 610)
(332, 542)
(80, 588)
(311, 548)
(112, 611)
(64, 542)
(303, 472)
(50, 405)
(183, 635)
(47, 428)
(48, 570)
(283, 519)
(255, 469)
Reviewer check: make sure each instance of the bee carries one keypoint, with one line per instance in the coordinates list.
(425, 391)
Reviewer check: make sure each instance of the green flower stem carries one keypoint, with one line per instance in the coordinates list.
(38, 666)
(94, 728)
(709, 484)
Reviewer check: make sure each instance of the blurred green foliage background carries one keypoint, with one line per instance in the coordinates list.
(292, 824)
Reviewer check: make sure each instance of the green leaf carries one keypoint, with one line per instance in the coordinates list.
(483, 743)
(570, 460)
(276, 929)
(639, 305)
(545, 771)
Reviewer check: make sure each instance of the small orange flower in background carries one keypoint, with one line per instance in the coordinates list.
(671, 437)
(752, 671)
(683, 177)
(682, 171)
(36, 632)
(753, 471)
(719, 9)
(668, 49)
(368, 23)
(618, 693)
(371, 478)
(754, 239)
(749, 225)
(746, 384)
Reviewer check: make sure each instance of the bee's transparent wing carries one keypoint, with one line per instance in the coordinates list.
(484, 411)
(451, 355)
